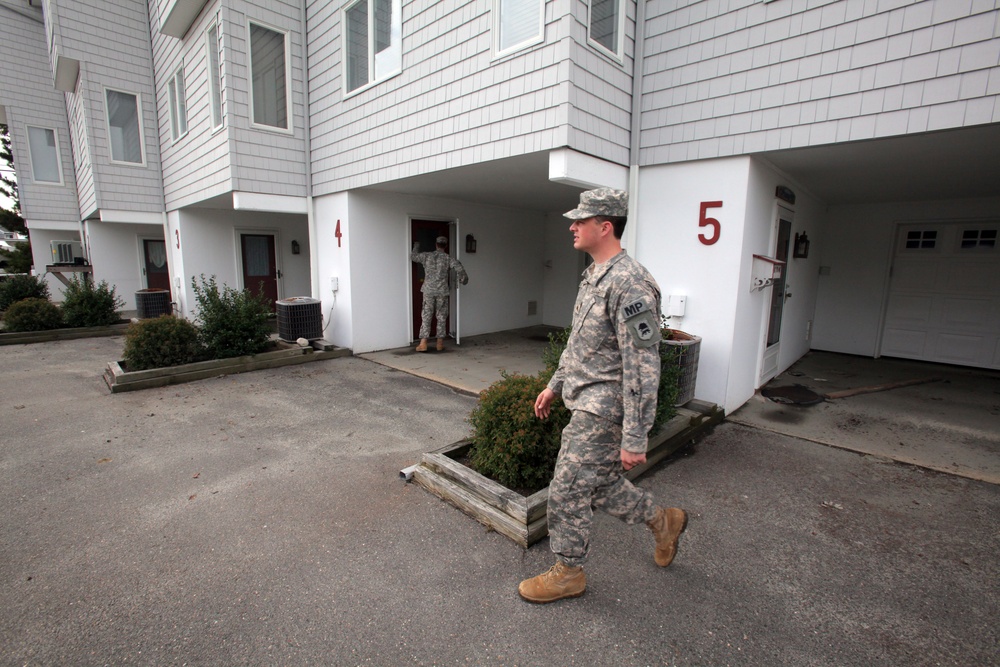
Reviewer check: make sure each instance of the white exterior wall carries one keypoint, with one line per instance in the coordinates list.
(116, 255)
(746, 76)
(372, 308)
(716, 279)
(209, 240)
(856, 250)
(29, 99)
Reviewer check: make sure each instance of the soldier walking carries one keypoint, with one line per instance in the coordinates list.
(608, 376)
(435, 288)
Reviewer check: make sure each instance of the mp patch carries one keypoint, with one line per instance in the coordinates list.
(641, 324)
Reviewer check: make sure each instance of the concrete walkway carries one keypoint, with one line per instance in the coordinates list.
(259, 519)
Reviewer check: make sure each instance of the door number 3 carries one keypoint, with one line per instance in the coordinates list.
(705, 221)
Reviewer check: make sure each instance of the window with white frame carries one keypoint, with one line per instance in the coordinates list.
(214, 75)
(373, 40)
(518, 23)
(124, 126)
(607, 22)
(43, 152)
(177, 100)
(269, 77)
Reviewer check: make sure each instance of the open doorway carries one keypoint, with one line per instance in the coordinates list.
(425, 232)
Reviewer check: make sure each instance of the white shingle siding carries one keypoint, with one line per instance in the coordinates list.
(453, 104)
(745, 76)
(29, 99)
(111, 41)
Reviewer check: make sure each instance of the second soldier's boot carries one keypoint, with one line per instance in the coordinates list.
(560, 581)
(440, 344)
(423, 345)
(667, 526)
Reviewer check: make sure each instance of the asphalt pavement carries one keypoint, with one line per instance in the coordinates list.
(259, 519)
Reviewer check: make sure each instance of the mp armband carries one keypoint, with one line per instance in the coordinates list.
(641, 324)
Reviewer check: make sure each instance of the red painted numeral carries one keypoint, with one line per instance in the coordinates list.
(704, 221)
(338, 234)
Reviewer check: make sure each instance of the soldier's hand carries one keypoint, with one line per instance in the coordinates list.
(543, 404)
(631, 459)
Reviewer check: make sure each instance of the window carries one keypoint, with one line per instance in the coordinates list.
(124, 126)
(979, 238)
(214, 75)
(373, 39)
(269, 77)
(921, 240)
(178, 104)
(607, 21)
(518, 23)
(43, 151)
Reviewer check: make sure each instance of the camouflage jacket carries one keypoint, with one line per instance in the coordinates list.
(436, 267)
(611, 364)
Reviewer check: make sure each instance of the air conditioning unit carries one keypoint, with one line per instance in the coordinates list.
(299, 317)
(66, 252)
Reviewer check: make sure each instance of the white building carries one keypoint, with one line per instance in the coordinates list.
(310, 144)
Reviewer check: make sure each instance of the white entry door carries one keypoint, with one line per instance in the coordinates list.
(944, 294)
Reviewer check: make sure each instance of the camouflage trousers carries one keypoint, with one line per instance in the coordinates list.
(434, 305)
(589, 476)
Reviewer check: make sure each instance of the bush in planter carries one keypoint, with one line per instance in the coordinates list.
(510, 444)
(16, 288)
(32, 314)
(89, 305)
(160, 342)
(233, 323)
(513, 447)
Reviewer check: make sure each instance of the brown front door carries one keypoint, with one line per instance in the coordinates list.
(154, 255)
(260, 270)
(424, 232)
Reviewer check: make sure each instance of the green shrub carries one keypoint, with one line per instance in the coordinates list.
(16, 288)
(510, 444)
(89, 305)
(232, 322)
(32, 314)
(160, 342)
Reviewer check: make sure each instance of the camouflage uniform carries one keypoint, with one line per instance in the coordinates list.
(435, 287)
(608, 376)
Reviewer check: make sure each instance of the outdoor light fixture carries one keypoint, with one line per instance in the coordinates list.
(801, 249)
(296, 249)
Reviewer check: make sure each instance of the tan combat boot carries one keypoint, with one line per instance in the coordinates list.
(423, 345)
(440, 344)
(560, 581)
(667, 526)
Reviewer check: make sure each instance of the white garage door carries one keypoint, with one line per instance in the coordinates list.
(944, 294)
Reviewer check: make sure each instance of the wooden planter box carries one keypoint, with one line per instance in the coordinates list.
(24, 337)
(521, 518)
(119, 380)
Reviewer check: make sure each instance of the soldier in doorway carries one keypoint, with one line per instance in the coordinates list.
(435, 291)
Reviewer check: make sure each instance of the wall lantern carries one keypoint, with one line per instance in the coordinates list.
(296, 248)
(801, 248)
(470, 243)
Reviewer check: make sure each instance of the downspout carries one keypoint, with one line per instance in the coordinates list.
(307, 149)
(633, 169)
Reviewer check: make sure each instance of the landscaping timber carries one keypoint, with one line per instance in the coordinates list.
(523, 518)
(26, 337)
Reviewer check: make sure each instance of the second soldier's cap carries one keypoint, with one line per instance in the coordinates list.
(441, 240)
(602, 201)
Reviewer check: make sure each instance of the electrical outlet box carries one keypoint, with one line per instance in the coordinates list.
(334, 283)
(675, 305)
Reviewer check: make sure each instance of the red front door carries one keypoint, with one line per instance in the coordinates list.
(424, 232)
(260, 270)
(154, 255)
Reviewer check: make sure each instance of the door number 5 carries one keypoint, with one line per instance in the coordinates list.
(704, 221)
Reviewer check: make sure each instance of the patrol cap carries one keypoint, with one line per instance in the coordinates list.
(602, 201)
(441, 240)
